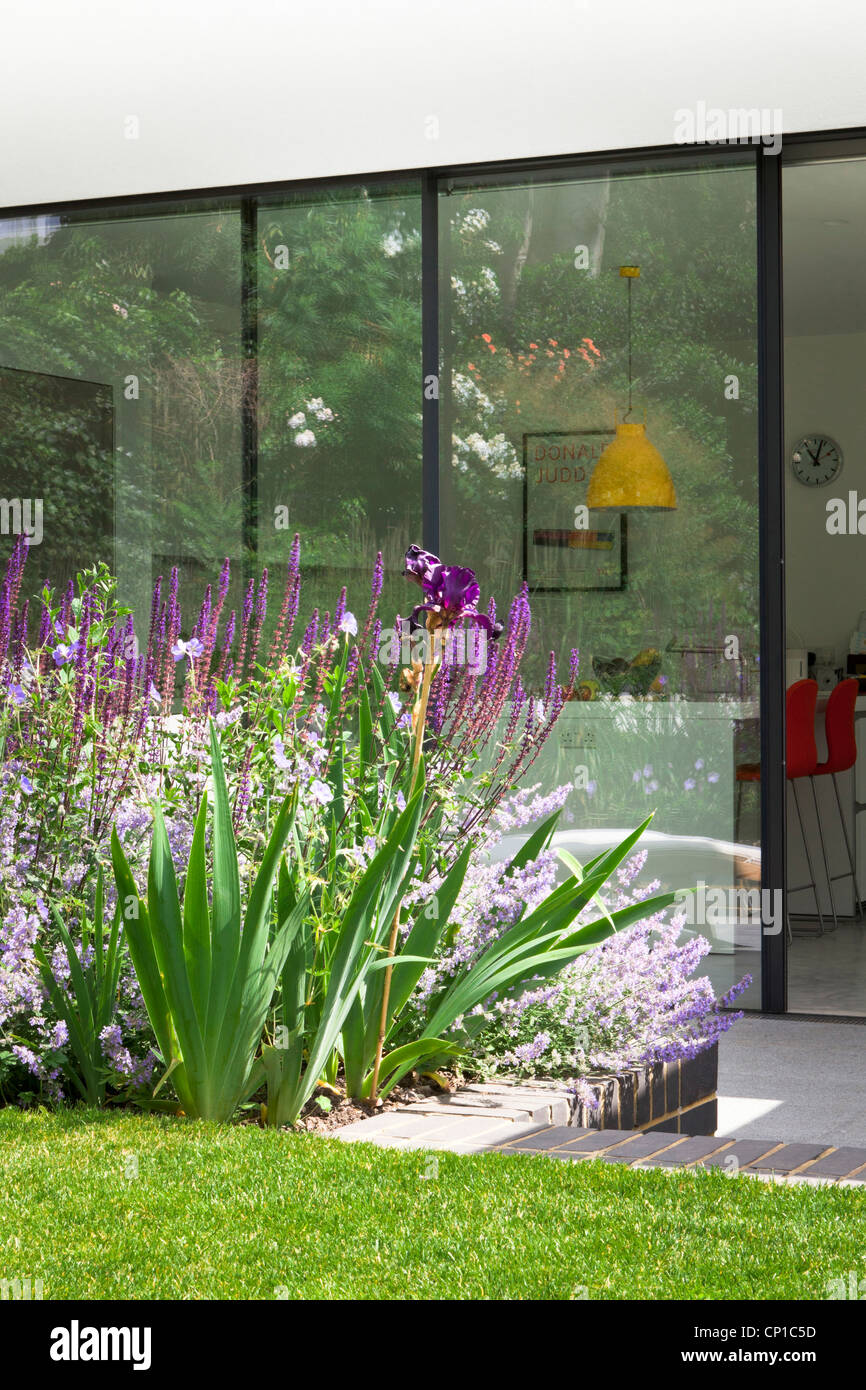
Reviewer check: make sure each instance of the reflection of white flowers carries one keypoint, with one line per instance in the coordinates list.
(475, 220)
(305, 439)
(470, 395)
(318, 408)
(297, 421)
(472, 297)
(392, 242)
(497, 454)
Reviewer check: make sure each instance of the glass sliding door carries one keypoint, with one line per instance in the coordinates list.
(338, 273)
(617, 307)
(187, 382)
(120, 378)
(824, 283)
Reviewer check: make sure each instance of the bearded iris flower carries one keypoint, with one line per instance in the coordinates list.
(420, 564)
(451, 594)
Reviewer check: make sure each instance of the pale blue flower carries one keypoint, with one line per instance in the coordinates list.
(321, 792)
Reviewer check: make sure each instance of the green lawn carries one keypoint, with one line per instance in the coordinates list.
(240, 1212)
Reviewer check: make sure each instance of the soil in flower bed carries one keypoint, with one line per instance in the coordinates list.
(344, 1111)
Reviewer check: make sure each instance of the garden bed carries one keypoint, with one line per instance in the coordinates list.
(677, 1097)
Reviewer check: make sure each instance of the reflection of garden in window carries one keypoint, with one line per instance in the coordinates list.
(339, 339)
(57, 440)
(151, 305)
(536, 342)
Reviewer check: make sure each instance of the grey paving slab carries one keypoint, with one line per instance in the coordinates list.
(598, 1139)
(641, 1146)
(743, 1151)
(688, 1151)
(789, 1157)
(841, 1163)
(550, 1137)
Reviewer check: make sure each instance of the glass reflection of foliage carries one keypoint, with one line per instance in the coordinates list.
(538, 341)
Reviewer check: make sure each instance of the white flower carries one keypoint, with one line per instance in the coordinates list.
(319, 409)
(349, 624)
(297, 421)
(392, 243)
(321, 793)
(305, 439)
(475, 220)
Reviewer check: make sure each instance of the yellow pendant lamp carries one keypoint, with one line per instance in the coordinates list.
(631, 473)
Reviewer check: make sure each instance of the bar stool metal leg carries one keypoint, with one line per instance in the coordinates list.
(858, 897)
(824, 856)
(812, 884)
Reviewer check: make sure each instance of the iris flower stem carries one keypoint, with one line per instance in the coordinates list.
(430, 669)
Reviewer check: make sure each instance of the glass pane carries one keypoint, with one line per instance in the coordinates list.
(339, 351)
(824, 223)
(120, 383)
(546, 345)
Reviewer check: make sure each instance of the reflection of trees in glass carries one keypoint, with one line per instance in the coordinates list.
(538, 341)
(42, 417)
(339, 373)
(155, 298)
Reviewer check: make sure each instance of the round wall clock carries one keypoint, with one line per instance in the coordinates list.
(816, 460)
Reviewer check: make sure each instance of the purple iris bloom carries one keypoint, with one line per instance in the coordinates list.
(420, 564)
(452, 593)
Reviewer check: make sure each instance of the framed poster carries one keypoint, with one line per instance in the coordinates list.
(564, 549)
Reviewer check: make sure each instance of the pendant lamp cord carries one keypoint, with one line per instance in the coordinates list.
(628, 412)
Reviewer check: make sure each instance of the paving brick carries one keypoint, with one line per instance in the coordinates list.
(597, 1140)
(550, 1137)
(409, 1126)
(642, 1146)
(744, 1151)
(699, 1078)
(841, 1163)
(539, 1116)
(669, 1126)
(787, 1158)
(688, 1151)
(701, 1119)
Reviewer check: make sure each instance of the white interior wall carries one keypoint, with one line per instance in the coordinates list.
(227, 93)
(825, 575)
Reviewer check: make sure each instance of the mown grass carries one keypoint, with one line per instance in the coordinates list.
(119, 1205)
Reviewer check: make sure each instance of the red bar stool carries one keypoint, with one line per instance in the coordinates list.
(841, 757)
(801, 760)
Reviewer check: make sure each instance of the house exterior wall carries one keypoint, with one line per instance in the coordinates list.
(162, 96)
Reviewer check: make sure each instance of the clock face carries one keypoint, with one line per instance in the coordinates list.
(817, 460)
